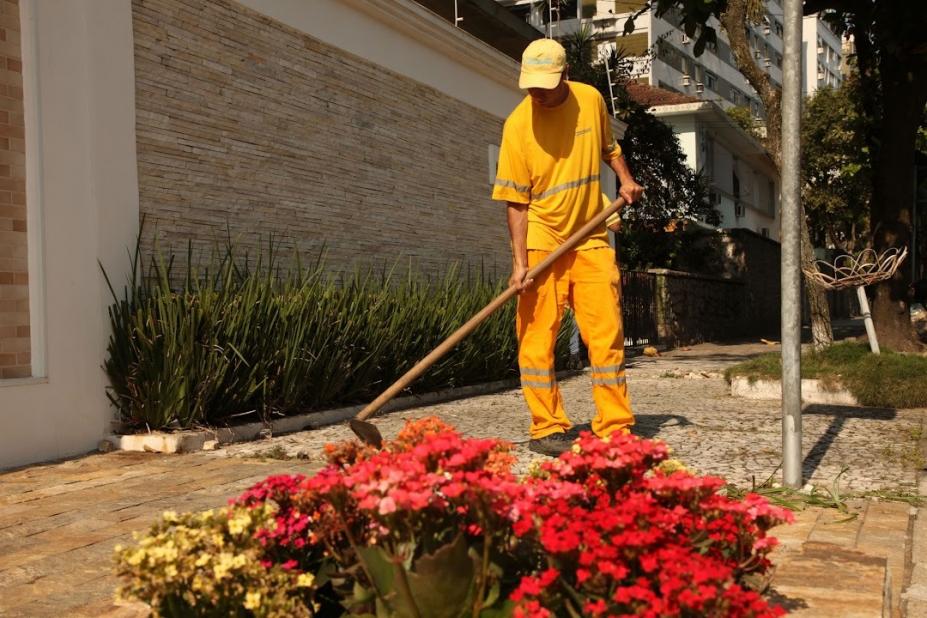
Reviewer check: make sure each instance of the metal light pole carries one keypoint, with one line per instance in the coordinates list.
(791, 246)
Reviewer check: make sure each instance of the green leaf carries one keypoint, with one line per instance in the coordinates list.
(380, 568)
(505, 611)
(493, 595)
(699, 46)
(629, 26)
(443, 583)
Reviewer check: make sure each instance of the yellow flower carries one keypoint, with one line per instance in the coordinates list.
(223, 565)
(169, 516)
(240, 522)
(305, 580)
(668, 466)
(136, 557)
(203, 559)
(576, 448)
(252, 600)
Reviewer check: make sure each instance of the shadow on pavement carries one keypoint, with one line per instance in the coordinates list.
(789, 604)
(649, 425)
(839, 416)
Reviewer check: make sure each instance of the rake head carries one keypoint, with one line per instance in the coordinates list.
(367, 432)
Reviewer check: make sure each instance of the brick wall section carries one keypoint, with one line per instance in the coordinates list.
(14, 279)
(247, 123)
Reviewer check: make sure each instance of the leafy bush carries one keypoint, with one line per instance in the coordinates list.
(435, 525)
(689, 248)
(889, 380)
(229, 340)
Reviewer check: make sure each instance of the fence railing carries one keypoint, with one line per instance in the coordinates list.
(639, 307)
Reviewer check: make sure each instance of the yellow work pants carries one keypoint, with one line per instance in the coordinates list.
(589, 282)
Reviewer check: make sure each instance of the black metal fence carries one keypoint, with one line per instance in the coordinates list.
(638, 307)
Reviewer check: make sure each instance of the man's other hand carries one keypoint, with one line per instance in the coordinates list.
(631, 191)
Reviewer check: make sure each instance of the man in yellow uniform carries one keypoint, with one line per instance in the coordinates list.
(548, 174)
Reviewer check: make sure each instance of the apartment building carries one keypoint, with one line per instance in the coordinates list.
(664, 55)
(822, 55)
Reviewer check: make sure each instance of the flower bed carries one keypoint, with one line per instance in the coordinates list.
(435, 525)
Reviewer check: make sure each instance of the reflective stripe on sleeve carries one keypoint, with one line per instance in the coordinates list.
(511, 184)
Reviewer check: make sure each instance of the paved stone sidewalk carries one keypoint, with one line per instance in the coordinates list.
(683, 399)
(59, 522)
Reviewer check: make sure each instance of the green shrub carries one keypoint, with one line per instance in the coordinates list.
(889, 380)
(231, 339)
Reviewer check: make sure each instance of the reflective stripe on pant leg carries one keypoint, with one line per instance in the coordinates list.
(595, 285)
(539, 313)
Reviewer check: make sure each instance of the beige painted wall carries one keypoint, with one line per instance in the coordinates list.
(80, 128)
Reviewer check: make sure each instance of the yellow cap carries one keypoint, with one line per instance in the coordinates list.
(542, 63)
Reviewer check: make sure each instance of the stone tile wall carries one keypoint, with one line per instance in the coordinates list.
(249, 128)
(14, 278)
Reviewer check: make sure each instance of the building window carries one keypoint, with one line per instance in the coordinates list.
(711, 81)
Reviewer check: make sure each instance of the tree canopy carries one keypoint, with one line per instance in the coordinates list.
(891, 55)
(836, 168)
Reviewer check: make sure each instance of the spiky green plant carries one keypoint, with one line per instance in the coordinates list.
(232, 339)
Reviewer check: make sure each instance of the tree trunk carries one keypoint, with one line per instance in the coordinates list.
(734, 20)
(822, 334)
(892, 200)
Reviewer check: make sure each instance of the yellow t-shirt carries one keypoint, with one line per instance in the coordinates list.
(549, 159)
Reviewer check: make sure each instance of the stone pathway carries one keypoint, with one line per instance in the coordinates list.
(59, 522)
(683, 399)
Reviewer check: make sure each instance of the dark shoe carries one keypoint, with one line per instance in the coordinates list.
(578, 429)
(551, 445)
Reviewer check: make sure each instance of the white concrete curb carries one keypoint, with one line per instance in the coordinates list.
(209, 439)
(812, 391)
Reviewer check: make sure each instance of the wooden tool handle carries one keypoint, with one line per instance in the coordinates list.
(448, 344)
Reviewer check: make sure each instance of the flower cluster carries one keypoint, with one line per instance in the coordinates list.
(626, 537)
(434, 520)
(210, 564)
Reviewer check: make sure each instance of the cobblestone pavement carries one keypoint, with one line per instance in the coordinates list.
(682, 398)
(59, 522)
